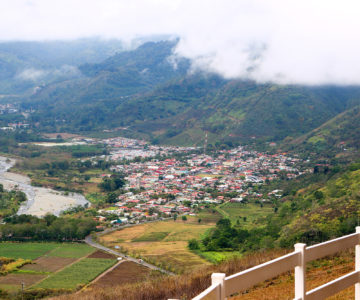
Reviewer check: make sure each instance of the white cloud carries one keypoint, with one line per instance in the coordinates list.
(32, 74)
(306, 42)
(65, 71)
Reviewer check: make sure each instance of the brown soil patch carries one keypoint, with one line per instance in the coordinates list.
(101, 254)
(27, 279)
(49, 264)
(126, 272)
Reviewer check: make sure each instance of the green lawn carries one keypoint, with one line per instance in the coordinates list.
(71, 250)
(152, 237)
(26, 250)
(35, 250)
(82, 272)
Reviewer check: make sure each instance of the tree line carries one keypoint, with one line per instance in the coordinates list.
(49, 228)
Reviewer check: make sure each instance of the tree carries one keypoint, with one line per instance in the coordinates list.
(184, 218)
(193, 244)
(111, 197)
(319, 195)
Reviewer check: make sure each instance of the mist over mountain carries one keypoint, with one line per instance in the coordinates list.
(159, 96)
(27, 64)
(97, 96)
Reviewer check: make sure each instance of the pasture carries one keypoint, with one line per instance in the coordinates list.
(161, 243)
(247, 215)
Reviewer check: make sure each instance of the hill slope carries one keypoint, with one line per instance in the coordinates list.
(340, 137)
(25, 65)
(158, 96)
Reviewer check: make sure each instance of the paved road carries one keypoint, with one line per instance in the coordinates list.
(89, 240)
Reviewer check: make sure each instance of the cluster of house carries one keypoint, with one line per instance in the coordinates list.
(163, 187)
(14, 126)
(129, 149)
(8, 109)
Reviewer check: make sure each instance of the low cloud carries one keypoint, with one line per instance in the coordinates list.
(32, 74)
(302, 42)
(65, 71)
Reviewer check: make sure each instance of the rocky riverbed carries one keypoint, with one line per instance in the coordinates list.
(41, 201)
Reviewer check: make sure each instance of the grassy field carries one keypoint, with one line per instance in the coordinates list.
(253, 213)
(209, 216)
(71, 251)
(26, 250)
(35, 250)
(162, 243)
(50, 260)
(79, 273)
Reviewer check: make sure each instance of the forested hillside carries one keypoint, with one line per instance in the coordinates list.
(25, 65)
(338, 137)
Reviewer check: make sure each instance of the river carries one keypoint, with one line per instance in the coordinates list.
(40, 201)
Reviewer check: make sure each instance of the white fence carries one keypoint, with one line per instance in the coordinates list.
(222, 286)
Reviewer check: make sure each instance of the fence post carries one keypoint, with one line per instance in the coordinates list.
(219, 278)
(357, 265)
(300, 270)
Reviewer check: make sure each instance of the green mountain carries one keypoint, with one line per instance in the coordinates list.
(158, 96)
(339, 137)
(25, 65)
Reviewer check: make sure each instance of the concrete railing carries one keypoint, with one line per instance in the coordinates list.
(222, 286)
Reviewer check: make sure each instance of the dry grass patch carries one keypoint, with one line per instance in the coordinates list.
(161, 243)
(319, 272)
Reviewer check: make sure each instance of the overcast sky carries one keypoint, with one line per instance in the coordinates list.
(286, 41)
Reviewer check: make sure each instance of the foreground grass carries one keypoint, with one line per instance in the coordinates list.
(80, 273)
(189, 285)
